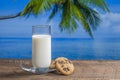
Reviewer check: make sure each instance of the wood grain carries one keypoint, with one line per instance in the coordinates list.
(84, 70)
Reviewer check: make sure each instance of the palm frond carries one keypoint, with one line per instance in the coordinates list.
(54, 11)
(91, 15)
(77, 13)
(64, 24)
(68, 22)
(93, 18)
(37, 6)
(70, 15)
(97, 3)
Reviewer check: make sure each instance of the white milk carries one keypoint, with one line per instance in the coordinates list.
(41, 51)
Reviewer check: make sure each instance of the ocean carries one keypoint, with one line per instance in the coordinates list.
(72, 48)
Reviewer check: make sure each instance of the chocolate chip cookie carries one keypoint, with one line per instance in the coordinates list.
(65, 66)
(52, 65)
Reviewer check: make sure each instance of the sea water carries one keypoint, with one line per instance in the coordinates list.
(72, 48)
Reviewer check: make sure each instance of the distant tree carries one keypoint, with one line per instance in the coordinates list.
(72, 12)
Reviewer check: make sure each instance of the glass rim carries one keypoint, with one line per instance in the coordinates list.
(41, 26)
(44, 26)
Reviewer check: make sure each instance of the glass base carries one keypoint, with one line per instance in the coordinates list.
(36, 70)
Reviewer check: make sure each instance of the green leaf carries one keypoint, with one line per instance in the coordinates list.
(91, 15)
(37, 6)
(81, 18)
(96, 3)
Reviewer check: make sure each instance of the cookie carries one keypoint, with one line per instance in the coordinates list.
(65, 66)
(52, 65)
(61, 58)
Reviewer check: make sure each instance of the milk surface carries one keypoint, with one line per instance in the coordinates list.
(41, 51)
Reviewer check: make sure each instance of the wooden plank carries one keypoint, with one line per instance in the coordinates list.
(84, 70)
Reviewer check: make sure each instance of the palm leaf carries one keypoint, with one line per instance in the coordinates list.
(91, 15)
(96, 3)
(54, 11)
(70, 15)
(37, 6)
(77, 13)
(68, 22)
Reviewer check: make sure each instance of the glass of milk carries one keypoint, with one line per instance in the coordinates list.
(41, 46)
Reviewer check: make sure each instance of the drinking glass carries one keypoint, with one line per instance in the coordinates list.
(41, 46)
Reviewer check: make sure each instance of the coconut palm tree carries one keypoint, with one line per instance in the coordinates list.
(72, 12)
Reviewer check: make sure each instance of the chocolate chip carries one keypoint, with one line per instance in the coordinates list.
(70, 62)
(68, 69)
(65, 69)
(62, 66)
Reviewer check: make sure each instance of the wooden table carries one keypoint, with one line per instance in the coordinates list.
(84, 70)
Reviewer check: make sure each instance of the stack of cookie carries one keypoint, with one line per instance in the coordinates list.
(62, 65)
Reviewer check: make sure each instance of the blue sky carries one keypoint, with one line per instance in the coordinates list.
(21, 27)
